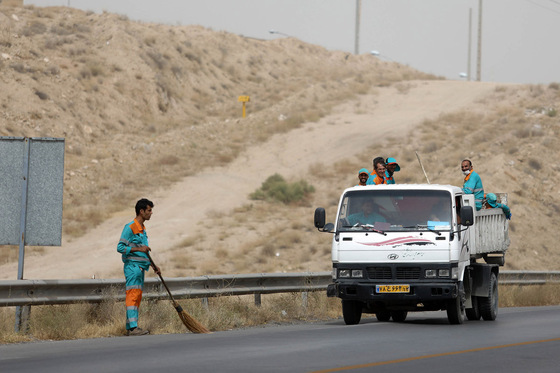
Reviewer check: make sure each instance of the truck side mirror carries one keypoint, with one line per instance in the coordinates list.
(467, 216)
(319, 218)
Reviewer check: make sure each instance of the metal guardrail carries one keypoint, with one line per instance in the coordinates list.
(45, 292)
(42, 292)
(529, 277)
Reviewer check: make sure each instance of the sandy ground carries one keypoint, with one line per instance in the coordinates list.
(389, 112)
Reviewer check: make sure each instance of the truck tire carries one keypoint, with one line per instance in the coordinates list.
(489, 305)
(352, 311)
(473, 313)
(455, 311)
(383, 316)
(399, 316)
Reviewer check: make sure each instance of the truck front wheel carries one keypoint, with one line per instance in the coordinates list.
(352, 311)
(455, 311)
(489, 305)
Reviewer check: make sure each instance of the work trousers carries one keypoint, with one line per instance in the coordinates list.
(134, 284)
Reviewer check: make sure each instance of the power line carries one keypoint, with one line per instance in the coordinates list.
(545, 7)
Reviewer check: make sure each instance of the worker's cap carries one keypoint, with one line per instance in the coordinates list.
(491, 199)
(393, 161)
(363, 171)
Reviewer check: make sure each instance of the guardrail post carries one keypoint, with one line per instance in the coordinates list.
(204, 303)
(257, 299)
(304, 299)
(22, 319)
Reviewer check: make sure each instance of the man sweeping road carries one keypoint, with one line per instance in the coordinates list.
(133, 245)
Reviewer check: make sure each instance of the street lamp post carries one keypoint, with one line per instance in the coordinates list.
(357, 31)
(479, 47)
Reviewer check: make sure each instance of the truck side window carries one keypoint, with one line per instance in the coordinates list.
(458, 202)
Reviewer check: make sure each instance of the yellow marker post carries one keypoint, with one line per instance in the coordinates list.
(244, 100)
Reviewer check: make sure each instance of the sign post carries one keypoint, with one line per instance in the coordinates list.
(244, 100)
(31, 189)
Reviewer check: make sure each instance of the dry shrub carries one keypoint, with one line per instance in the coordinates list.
(34, 28)
(42, 95)
(8, 253)
(535, 164)
(275, 188)
(7, 327)
(19, 67)
(529, 296)
(168, 160)
(188, 242)
(6, 36)
(157, 59)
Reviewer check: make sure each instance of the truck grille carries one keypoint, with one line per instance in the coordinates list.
(408, 273)
(385, 273)
(379, 273)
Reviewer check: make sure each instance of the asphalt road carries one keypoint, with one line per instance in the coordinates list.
(520, 340)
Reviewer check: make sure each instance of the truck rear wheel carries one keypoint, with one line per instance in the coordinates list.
(399, 316)
(352, 311)
(489, 305)
(455, 311)
(383, 316)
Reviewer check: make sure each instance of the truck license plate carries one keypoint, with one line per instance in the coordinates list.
(392, 288)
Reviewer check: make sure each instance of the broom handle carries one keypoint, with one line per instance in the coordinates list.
(421, 165)
(161, 278)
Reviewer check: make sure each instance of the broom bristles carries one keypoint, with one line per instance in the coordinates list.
(190, 322)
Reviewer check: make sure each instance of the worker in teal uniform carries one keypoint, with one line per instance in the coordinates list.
(472, 183)
(133, 245)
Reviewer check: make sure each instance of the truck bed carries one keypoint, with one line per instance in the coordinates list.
(490, 233)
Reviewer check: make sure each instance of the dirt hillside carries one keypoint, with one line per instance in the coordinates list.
(151, 110)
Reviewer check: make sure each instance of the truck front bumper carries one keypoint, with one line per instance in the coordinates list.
(419, 292)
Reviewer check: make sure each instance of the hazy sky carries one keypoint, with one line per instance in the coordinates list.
(519, 37)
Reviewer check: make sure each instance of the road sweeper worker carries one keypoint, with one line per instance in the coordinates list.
(133, 245)
(472, 183)
(363, 176)
(392, 166)
(377, 177)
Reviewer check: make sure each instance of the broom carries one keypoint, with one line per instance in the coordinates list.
(191, 324)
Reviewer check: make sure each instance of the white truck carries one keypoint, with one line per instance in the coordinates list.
(404, 247)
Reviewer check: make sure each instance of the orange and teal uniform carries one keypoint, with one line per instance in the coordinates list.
(374, 179)
(135, 264)
(389, 179)
(473, 185)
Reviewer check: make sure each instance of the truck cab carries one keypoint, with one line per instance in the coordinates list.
(404, 248)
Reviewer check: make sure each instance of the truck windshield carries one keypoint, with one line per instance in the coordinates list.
(395, 210)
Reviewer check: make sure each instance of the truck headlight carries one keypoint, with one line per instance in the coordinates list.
(431, 273)
(455, 273)
(443, 272)
(344, 273)
(357, 273)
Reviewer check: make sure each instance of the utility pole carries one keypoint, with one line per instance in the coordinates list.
(469, 76)
(479, 56)
(358, 16)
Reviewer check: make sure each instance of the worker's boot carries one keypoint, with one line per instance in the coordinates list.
(137, 331)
